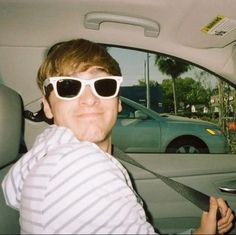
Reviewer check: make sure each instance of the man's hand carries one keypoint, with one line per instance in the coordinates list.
(209, 223)
(227, 217)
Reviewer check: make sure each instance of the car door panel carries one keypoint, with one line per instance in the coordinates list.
(170, 212)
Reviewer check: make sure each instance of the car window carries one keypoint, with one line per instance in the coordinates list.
(187, 109)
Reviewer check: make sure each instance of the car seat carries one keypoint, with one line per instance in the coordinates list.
(11, 129)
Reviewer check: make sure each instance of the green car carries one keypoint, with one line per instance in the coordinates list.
(139, 129)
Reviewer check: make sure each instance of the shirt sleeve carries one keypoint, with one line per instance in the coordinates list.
(10, 190)
(13, 182)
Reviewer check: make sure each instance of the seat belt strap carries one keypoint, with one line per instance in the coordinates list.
(198, 198)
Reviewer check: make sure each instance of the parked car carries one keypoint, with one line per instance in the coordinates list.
(199, 32)
(141, 130)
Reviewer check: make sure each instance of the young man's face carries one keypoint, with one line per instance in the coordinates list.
(90, 118)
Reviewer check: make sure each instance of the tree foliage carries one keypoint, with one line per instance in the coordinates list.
(192, 93)
(152, 83)
(173, 68)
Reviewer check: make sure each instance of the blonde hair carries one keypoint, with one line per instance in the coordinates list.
(66, 58)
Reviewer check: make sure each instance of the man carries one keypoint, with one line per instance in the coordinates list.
(69, 182)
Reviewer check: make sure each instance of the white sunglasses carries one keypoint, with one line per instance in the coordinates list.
(68, 88)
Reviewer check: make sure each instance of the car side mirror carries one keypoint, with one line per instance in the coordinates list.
(138, 114)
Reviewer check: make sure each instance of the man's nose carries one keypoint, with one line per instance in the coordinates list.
(88, 97)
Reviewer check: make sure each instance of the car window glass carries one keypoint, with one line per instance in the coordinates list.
(182, 95)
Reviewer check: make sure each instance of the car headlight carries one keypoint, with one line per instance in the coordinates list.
(213, 131)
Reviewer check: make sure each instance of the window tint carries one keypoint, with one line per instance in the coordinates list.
(182, 96)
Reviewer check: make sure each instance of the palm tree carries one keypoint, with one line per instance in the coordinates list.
(174, 68)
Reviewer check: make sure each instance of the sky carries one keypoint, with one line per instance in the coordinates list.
(132, 64)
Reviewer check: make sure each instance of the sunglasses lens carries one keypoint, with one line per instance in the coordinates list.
(68, 88)
(106, 87)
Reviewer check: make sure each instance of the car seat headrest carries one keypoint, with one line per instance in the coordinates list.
(11, 124)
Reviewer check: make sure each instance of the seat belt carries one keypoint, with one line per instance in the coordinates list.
(198, 198)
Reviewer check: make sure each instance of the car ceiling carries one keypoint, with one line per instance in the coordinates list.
(40, 23)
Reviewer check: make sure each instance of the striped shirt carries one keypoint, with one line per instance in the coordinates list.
(64, 186)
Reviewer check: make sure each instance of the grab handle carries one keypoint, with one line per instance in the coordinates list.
(94, 19)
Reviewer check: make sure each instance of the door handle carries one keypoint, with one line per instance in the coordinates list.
(228, 187)
(93, 20)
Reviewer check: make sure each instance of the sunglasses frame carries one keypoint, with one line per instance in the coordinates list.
(84, 83)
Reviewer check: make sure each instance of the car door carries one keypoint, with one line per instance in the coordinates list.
(167, 209)
(208, 173)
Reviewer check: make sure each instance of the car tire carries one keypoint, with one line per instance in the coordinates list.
(187, 145)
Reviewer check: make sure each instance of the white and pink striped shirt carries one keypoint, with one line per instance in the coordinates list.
(66, 186)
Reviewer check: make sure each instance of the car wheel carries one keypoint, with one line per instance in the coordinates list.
(187, 145)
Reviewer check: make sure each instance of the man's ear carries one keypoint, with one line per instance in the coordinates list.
(119, 105)
(47, 109)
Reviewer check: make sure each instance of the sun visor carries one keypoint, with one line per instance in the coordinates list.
(202, 29)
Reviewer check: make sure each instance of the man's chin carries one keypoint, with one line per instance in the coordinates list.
(94, 137)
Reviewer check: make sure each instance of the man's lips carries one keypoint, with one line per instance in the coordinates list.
(89, 115)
